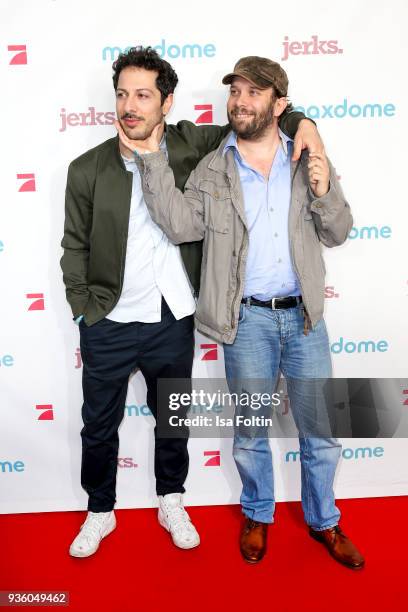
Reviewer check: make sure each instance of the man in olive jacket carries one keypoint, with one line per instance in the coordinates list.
(128, 289)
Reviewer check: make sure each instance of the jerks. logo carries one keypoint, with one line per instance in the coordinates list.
(210, 352)
(28, 182)
(85, 119)
(126, 462)
(39, 303)
(310, 47)
(215, 458)
(47, 412)
(206, 116)
(78, 357)
(330, 292)
(19, 54)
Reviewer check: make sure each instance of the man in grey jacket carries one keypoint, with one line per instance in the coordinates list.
(263, 218)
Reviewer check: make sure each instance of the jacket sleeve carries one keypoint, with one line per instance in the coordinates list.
(289, 122)
(331, 213)
(77, 227)
(180, 216)
(209, 137)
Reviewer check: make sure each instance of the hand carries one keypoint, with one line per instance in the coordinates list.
(319, 174)
(307, 137)
(149, 145)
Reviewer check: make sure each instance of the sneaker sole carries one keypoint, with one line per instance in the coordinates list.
(163, 523)
(83, 555)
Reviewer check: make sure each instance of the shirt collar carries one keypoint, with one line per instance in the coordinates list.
(232, 142)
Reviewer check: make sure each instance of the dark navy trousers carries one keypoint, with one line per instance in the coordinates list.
(110, 352)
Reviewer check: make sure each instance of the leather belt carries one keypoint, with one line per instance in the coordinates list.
(275, 303)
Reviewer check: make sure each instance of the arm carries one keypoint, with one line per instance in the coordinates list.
(181, 217)
(330, 210)
(78, 220)
(304, 132)
(294, 124)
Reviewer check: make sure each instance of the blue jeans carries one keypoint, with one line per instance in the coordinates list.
(268, 341)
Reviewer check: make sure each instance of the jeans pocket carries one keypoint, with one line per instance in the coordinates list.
(242, 313)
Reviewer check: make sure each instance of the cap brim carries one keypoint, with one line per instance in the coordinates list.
(227, 80)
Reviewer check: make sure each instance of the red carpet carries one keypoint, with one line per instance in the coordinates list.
(138, 568)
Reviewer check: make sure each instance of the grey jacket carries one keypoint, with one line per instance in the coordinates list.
(212, 208)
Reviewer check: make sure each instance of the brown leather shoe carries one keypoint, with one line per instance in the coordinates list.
(339, 546)
(253, 540)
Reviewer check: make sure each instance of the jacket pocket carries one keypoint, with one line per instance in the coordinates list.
(217, 206)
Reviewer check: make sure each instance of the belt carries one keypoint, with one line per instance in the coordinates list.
(275, 303)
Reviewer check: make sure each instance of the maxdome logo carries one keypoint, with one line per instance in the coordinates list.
(165, 49)
(366, 452)
(359, 346)
(372, 232)
(11, 466)
(135, 410)
(369, 110)
(6, 360)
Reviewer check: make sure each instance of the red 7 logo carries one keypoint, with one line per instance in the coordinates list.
(29, 184)
(211, 353)
(39, 301)
(48, 414)
(215, 460)
(405, 392)
(18, 58)
(207, 116)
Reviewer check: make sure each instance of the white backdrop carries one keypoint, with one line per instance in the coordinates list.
(346, 64)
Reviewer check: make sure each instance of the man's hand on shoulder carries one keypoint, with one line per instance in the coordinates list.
(307, 137)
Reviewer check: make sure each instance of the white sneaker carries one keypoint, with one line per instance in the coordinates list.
(96, 527)
(175, 519)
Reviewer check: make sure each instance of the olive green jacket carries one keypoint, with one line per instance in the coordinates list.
(97, 206)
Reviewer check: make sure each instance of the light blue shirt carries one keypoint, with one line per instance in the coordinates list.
(269, 272)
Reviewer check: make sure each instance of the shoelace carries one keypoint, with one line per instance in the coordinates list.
(178, 518)
(253, 524)
(92, 527)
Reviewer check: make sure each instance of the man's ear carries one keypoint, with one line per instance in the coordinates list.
(167, 104)
(280, 105)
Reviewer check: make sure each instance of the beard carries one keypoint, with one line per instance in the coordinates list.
(146, 127)
(251, 129)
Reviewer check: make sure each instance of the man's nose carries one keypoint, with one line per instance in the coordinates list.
(241, 99)
(131, 105)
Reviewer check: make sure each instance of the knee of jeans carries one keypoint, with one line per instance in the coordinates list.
(244, 444)
(328, 448)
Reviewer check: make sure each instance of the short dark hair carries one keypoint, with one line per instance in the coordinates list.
(149, 59)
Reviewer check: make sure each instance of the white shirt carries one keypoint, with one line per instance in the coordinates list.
(153, 267)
